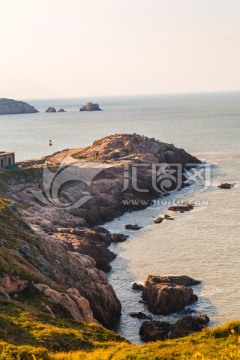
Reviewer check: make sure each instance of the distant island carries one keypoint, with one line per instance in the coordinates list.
(10, 106)
(90, 107)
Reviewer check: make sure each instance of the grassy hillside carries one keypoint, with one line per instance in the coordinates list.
(28, 332)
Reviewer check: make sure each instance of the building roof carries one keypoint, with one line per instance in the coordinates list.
(6, 153)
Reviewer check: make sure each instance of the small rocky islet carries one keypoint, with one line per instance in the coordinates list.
(11, 106)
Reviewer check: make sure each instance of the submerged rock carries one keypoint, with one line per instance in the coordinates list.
(10, 106)
(166, 295)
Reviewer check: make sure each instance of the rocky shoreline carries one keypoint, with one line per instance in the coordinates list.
(61, 244)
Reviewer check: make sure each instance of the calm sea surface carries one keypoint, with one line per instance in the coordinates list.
(204, 243)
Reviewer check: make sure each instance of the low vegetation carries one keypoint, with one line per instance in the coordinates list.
(27, 333)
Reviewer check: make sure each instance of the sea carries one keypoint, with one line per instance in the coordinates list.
(203, 243)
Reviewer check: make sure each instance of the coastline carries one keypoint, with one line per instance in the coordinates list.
(73, 229)
(57, 237)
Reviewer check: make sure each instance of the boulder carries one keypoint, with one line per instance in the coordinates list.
(226, 186)
(181, 208)
(140, 315)
(159, 220)
(132, 227)
(10, 106)
(161, 330)
(137, 287)
(61, 110)
(188, 325)
(154, 330)
(173, 279)
(51, 110)
(115, 238)
(166, 295)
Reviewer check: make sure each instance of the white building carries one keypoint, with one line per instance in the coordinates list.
(6, 159)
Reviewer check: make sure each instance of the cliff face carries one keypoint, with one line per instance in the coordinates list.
(9, 106)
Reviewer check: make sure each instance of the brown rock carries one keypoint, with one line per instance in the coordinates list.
(226, 186)
(154, 330)
(12, 284)
(137, 287)
(140, 315)
(181, 208)
(163, 296)
(188, 325)
(132, 227)
(73, 303)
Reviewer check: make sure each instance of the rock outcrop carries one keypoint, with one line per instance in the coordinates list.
(51, 110)
(162, 330)
(137, 287)
(226, 186)
(90, 107)
(166, 295)
(119, 146)
(140, 315)
(188, 325)
(10, 106)
(154, 330)
(12, 285)
(73, 303)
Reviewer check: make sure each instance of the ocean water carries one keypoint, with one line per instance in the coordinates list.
(204, 243)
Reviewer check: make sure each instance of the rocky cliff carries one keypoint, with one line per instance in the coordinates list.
(54, 242)
(9, 106)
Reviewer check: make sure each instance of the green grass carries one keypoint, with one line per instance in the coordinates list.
(27, 333)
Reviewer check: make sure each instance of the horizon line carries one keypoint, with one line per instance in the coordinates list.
(136, 95)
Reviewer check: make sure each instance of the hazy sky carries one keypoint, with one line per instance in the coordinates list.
(64, 48)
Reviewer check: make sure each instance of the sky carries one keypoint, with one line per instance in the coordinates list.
(74, 48)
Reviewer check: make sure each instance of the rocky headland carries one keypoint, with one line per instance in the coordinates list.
(10, 106)
(54, 290)
(53, 249)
